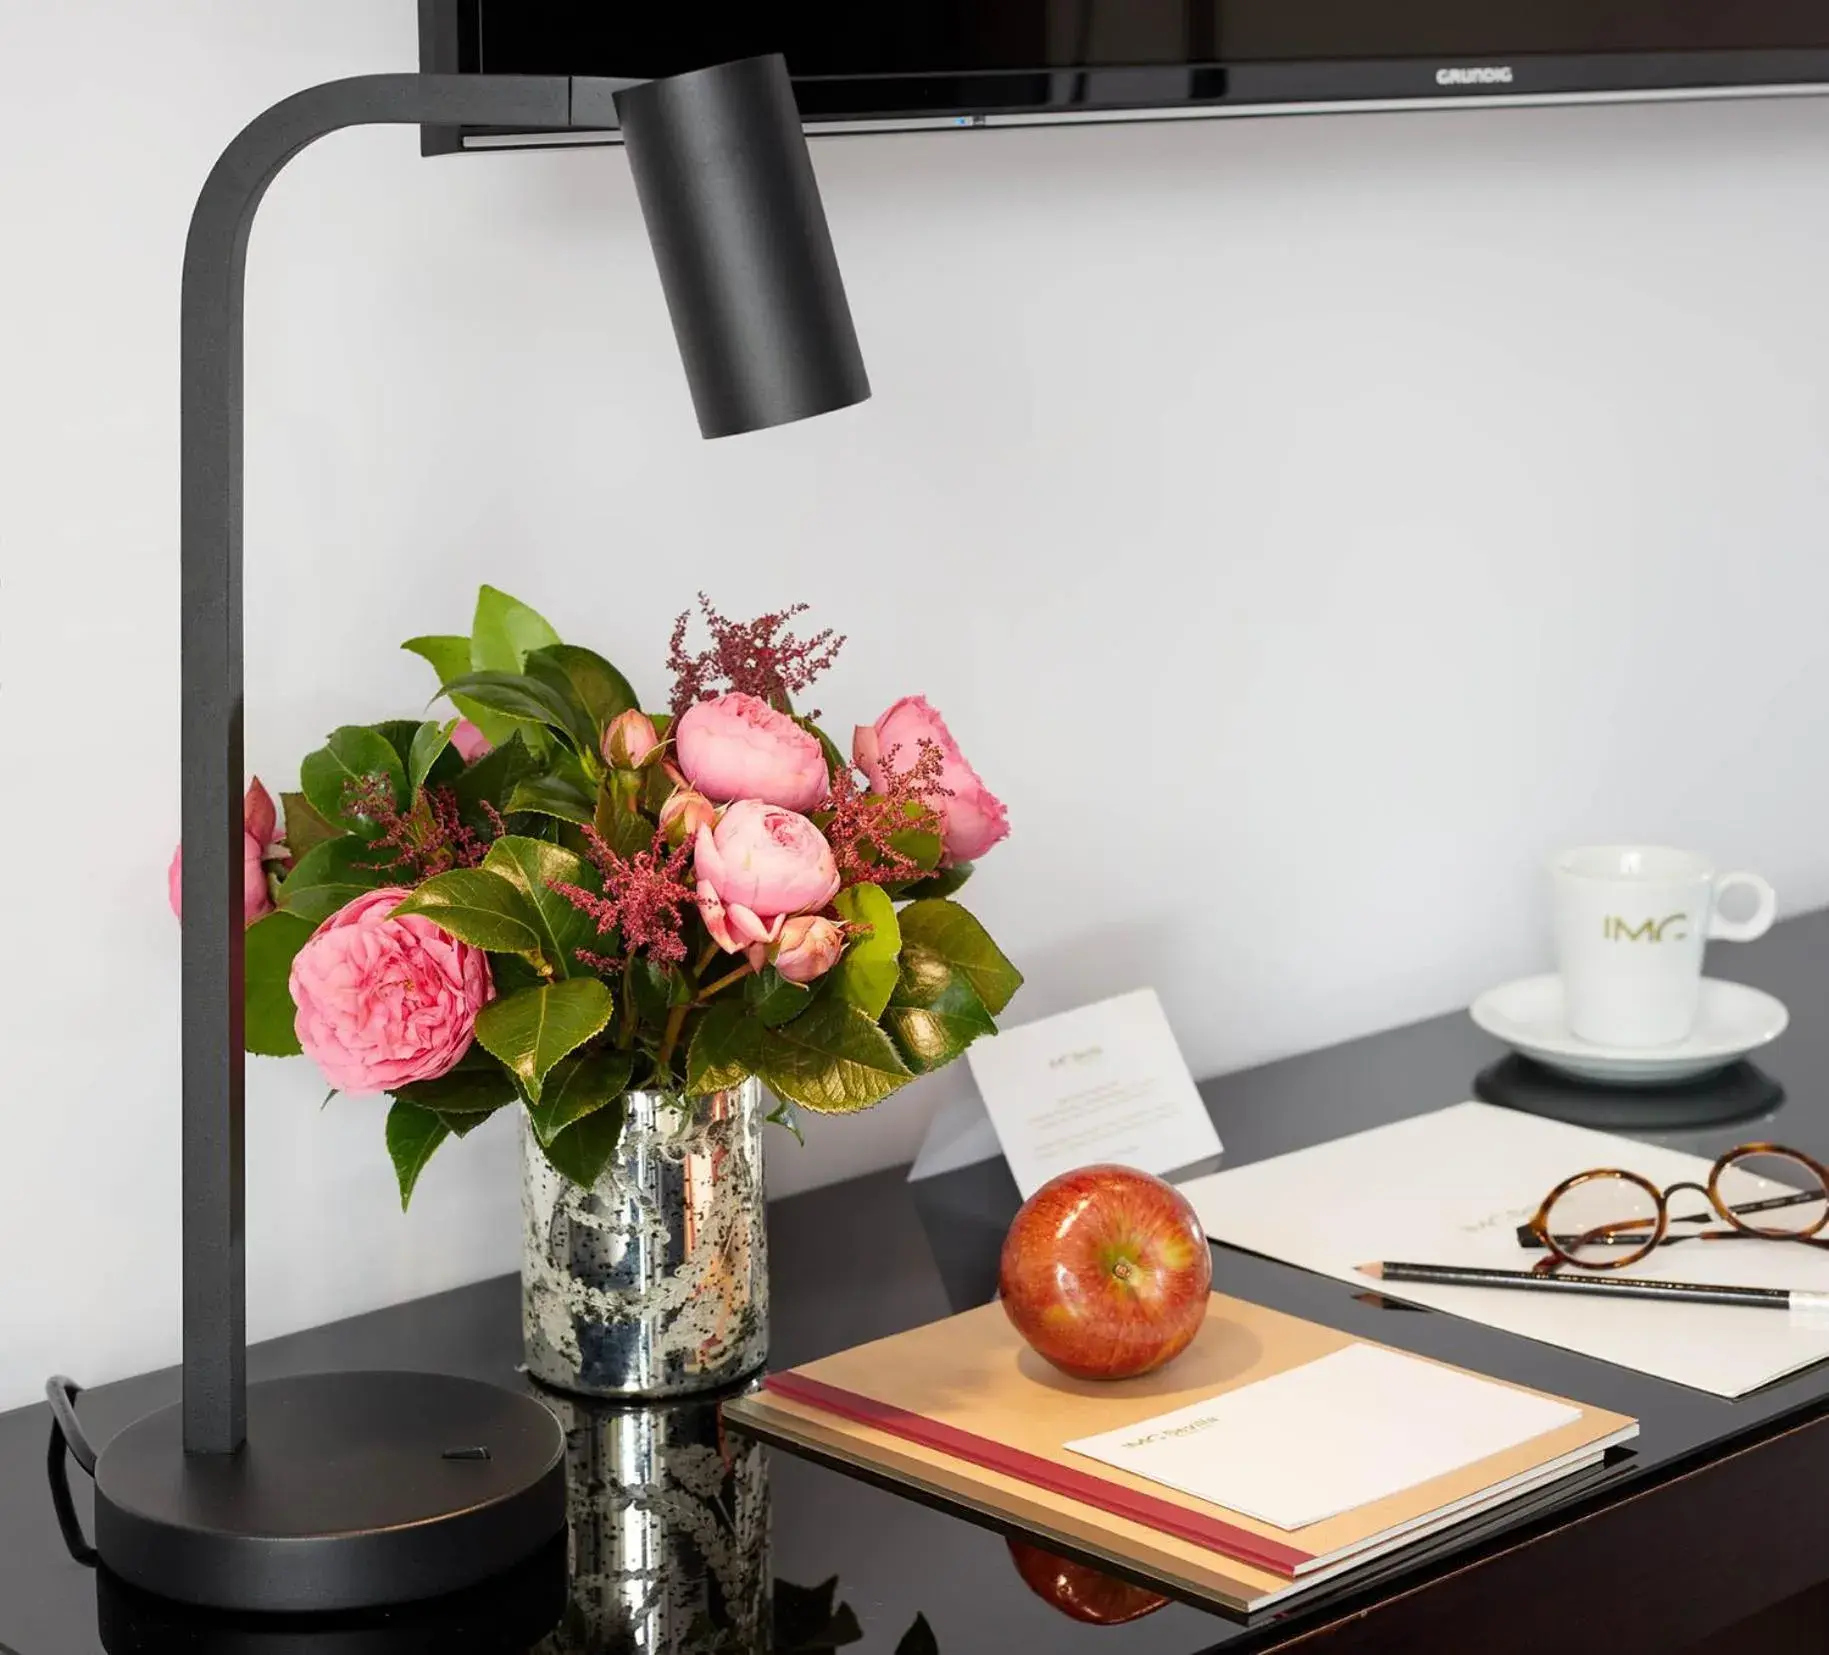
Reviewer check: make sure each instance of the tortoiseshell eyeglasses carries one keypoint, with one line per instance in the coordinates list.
(1609, 1218)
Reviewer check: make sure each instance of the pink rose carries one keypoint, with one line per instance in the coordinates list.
(758, 868)
(684, 813)
(470, 742)
(972, 817)
(809, 947)
(630, 738)
(383, 1001)
(738, 747)
(260, 822)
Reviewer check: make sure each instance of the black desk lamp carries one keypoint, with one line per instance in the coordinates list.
(336, 1491)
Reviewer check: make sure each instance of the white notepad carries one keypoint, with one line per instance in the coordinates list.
(1452, 1187)
(1329, 1436)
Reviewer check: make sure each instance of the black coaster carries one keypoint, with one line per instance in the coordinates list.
(1732, 1094)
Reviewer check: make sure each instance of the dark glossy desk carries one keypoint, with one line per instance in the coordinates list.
(1719, 1515)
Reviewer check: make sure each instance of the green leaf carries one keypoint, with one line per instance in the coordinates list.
(726, 1049)
(593, 683)
(478, 907)
(267, 1008)
(620, 825)
(399, 733)
(833, 1059)
(919, 846)
(304, 828)
(450, 658)
(943, 883)
(533, 867)
(772, 999)
(412, 1134)
(866, 973)
(330, 875)
(427, 746)
(532, 1030)
(528, 701)
(658, 989)
(504, 630)
(582, 1152)
(955, 935)
(469, 1089)
(551, 796)
(492, 779)
(353, 754)
(577, 1087)
(935, 1012)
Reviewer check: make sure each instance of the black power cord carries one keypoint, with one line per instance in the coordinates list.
(68, 1442)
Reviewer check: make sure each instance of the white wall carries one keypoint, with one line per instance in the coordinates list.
(1307, 524)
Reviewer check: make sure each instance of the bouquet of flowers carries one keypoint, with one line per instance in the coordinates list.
(554, 897)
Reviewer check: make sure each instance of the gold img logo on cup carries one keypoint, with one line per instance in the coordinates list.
(1615, 929)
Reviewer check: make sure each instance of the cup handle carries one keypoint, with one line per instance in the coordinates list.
(1743, 930)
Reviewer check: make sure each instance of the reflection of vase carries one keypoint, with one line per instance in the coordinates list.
(669, 1532)
(653, 1282)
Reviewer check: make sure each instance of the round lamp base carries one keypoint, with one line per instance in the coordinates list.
(352, 1490)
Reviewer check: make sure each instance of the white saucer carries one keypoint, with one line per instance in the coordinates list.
(1528, 1016)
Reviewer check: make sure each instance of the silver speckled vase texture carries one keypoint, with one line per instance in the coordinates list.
(669, 1532)
(653, 1282)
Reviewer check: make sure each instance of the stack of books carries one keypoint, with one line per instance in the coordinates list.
(1271, 1456)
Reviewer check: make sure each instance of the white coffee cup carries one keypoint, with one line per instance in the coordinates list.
(1631, 923)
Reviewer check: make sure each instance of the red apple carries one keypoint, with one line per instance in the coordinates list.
(1080, 1591)
(1106, 1272)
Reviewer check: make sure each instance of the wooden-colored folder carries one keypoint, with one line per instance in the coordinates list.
(965, 1412)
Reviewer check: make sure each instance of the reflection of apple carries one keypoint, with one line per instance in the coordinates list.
(1106, 1272)
(1080, 1591)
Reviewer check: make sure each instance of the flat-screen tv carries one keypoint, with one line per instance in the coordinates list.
(887, 64)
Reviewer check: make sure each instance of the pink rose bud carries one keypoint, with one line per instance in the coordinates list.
(758, 868)
(260, 825)
(972, 817)
(470, 742)
(629, 740)
(738, 747)
(258, 817)
(384, 1000)
(809, 948)
(684, 813)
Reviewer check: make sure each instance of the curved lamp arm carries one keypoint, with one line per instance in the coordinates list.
(733, 213)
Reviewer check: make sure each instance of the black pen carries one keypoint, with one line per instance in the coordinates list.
(1619, 1287)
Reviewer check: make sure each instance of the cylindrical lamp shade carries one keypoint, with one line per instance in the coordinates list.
(739, 232)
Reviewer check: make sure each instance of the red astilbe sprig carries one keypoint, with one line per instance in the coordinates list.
(643, 899)
(863, 824)
(429, 838)
(755, 657)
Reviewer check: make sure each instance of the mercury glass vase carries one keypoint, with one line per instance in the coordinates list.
(669, 1532)
(654, 1281)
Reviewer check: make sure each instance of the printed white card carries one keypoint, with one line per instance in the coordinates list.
(1104, 1083)
(1329, 1436)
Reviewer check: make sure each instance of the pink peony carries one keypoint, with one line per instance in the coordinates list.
(470, 742)
(260, 823)
(384, 1001)
(630, 738)
(809, 947)
(756, 869)
(737, 747)
(972, 817)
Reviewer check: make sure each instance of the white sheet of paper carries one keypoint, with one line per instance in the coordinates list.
(1452, 1187)
(1329, 1436)
(1104, 1083)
